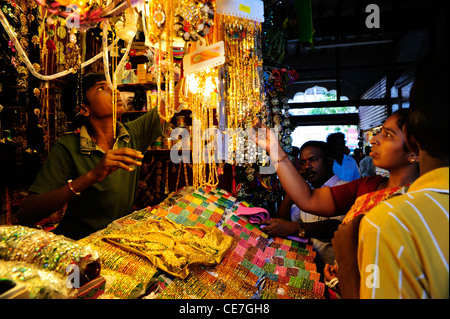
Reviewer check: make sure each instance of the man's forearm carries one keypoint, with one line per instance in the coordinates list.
(284, 210)
(323, 229)
(317, 202)
(39, 206)
(349, 280)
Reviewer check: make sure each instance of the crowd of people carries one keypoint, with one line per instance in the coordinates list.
(394, 239)
(375, 236)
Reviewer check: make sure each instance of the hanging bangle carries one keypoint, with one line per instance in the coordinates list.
(282, 158)
(71, 188)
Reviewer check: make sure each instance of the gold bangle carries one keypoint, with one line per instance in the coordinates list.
(282, 159)
(71, 188)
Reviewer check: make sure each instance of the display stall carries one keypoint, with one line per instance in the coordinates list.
(134, 154)
(192, 245)
(194, 232)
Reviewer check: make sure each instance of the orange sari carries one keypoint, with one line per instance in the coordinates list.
(366, 202)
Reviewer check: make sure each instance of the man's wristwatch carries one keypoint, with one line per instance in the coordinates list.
(301, 231)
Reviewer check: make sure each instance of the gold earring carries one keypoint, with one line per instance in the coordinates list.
(413, 159)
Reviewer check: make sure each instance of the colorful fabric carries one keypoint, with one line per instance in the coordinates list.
(323, 247)
(172, 247)
(255, 215)
(251, 258)
(277, 259)
(403, 249)
(202, 207)
(344, 196)
(366, 202)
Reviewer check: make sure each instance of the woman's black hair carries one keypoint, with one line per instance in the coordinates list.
(429, 105)
(403, 118)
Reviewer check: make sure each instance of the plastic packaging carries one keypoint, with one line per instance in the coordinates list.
(40, 284)
(48, 251)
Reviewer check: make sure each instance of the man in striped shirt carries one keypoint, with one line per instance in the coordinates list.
(403, 243)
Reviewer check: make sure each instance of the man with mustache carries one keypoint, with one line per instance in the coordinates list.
(95, 171)
(317, 168)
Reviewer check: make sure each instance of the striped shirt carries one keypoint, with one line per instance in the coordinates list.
(403, 247)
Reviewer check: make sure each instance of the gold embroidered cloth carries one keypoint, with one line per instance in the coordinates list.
(172, 247)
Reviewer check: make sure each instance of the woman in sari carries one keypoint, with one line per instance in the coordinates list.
(389, 151)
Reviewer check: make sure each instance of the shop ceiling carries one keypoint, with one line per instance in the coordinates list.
(349, 57)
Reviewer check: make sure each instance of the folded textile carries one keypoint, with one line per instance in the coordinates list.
(255, 215)
(172, 247)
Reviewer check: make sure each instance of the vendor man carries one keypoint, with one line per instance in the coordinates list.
(95, 171)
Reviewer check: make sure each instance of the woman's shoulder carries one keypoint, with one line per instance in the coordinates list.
(367, 180)
(371, 183)
(373, 179)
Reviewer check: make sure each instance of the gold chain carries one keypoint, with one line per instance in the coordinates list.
(244, 88)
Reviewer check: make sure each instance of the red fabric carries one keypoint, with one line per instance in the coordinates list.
(368, 201)
(345, 195)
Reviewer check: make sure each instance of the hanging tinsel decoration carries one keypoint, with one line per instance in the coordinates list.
(21, 15)
(252, 187)
(193, 19)
(73, 56)
(276, 109)
(243, 84)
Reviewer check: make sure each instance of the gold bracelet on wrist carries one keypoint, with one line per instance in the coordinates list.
(71, 188)
(282, 158)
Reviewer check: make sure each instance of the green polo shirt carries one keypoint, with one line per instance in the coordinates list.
(103, 202)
